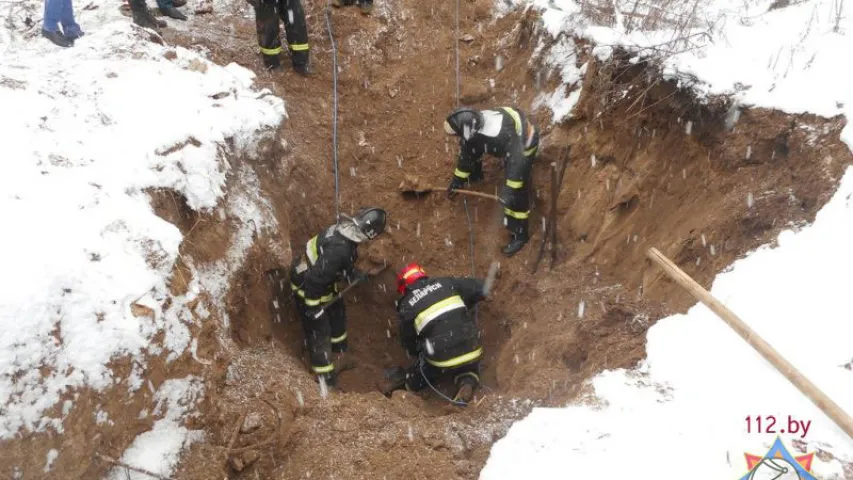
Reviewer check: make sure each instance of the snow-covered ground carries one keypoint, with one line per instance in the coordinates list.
(682, 413)
(85, 131)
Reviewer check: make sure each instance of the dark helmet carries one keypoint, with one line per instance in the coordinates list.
(370, 221)
(461, 118)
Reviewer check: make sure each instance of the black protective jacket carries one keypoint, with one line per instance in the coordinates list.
(505, 133)
(433, 318)
(330, 257)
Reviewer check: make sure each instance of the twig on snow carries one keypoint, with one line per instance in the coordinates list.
(131, 467)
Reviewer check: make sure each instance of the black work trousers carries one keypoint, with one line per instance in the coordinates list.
(267, 16)
(324, 335)
(517, 210)
(422, 372)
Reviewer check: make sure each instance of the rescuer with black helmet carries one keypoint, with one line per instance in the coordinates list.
(330, 257)
(502, 132)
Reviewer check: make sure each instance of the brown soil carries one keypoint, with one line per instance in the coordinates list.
(651, 185)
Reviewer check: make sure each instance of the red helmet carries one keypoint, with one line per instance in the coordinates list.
(409, 275)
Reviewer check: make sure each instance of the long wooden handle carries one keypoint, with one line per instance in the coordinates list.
(472, 193)
(810, 390)
(349, 287)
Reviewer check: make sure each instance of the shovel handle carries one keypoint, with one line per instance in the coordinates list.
(348, 288)
(474, 194)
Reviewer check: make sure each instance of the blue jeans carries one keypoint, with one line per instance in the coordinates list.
(60, 12)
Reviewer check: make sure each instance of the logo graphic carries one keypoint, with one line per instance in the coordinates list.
(779, 464)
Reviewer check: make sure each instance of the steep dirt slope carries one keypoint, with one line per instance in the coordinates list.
(704, 198)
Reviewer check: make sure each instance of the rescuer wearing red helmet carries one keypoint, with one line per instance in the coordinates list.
(435, 326)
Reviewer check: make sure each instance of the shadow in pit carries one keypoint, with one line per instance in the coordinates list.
(371, 329)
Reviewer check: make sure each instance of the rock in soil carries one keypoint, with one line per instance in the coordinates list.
(253, 422)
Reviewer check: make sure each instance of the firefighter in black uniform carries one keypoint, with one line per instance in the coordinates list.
(502, 132)
(330, 257)
(435, 326)
(267, 14)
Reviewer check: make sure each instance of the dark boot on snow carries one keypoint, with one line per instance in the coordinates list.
(173, 12)
(57, 38)
(145, 19)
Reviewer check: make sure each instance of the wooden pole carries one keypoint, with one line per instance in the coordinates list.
(810, 390)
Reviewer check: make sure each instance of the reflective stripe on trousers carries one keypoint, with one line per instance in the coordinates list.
(460, 360)
(323, 369)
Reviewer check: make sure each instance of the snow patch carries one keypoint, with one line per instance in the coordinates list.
(158, 450)
(87, 130)
(51, 457)
(700, 380)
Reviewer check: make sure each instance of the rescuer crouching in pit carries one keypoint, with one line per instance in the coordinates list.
(502, 132)
(330, 257)
(434, 325)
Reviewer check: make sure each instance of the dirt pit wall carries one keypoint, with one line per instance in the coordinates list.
(637, 177)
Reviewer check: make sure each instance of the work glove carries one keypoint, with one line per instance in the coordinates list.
(356, 276)
(455, 183)
(315, 313)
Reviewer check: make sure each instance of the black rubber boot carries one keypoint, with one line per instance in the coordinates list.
(395, 379)
(173, 12)
(465, 392)
(477, 173)
(303, 69)
(516, 243)
(145, 19)
(366, 6)
(57, 38)
(179, 3)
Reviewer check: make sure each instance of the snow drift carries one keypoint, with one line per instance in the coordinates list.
(682, 412)
(86, 131)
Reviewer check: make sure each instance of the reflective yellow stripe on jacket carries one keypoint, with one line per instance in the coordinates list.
(461, 174)
(311, 251)
(437, 309)
(312, 302)
(460, 360)
(515, 118)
